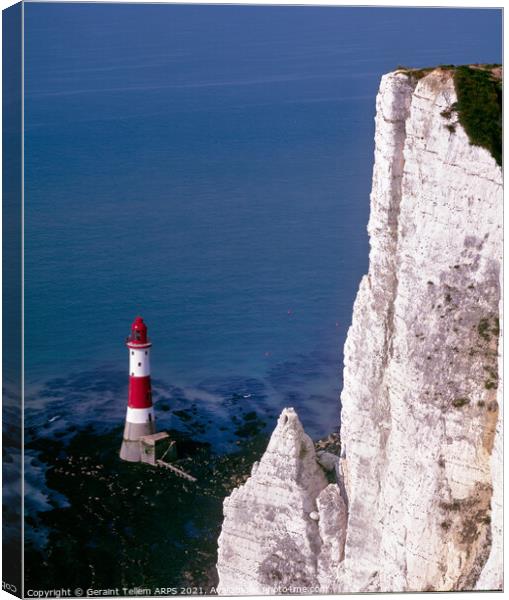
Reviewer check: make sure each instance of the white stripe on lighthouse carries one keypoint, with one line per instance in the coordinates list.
(139, 362)
(140, 415)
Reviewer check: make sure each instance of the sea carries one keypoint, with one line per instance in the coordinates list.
(207, 168)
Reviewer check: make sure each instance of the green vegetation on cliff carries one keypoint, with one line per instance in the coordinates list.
(479, 106)
(479, 103)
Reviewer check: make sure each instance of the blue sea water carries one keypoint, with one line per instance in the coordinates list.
(209, 167)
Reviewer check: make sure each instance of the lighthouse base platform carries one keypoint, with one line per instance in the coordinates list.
(156, 447)
(131, 446)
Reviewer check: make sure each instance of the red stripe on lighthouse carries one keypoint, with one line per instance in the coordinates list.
(140, 392)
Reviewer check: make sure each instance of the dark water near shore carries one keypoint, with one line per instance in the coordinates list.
(209, 168)
(114, 525)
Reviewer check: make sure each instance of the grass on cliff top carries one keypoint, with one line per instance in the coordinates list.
(479, 107)
(422, 72)
(479, 104)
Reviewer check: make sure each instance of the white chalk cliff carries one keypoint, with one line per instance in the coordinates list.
(418, 500)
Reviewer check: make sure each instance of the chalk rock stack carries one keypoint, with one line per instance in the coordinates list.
(421, 417)
(280, 532)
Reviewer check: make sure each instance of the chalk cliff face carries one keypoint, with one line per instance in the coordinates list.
(418, 503)
(421, 368)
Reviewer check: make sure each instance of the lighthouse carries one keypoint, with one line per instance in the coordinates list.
(139, 420)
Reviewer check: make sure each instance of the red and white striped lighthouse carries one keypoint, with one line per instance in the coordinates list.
(140, 411)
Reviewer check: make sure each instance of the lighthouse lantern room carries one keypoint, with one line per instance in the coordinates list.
(139, 420)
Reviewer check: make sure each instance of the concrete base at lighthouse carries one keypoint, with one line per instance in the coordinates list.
(139, 422)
